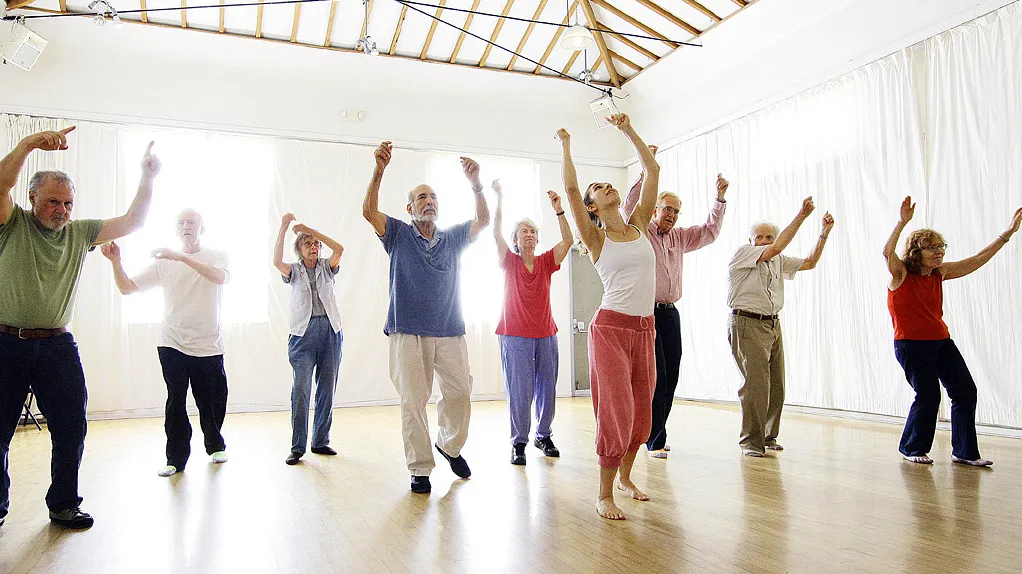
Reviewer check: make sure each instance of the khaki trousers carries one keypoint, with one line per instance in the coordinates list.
(758, 349)
(413, 361)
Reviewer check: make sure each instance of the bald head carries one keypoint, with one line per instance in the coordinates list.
(189, 228)
(763, 233)
(422, 203)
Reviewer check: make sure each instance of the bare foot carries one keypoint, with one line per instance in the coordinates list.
(631, 490)
(607, 509)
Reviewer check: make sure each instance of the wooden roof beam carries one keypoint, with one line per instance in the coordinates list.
(330, 23)
(600, 42)
(631, 43)
(571, 62)
(145, 15)
(259, 20)
(528, 32)
(184, 13)
(625, 61)
(461, 37)
(706, 11)
(741, 3)
(670, 17)
(432, 30)
(617, 12)
(496, 32)
(15, 4)
(557, 36)
(294, 23)
(397, 31)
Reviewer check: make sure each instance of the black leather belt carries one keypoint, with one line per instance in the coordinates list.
(752, 315)
(663, 305)
(31, 333)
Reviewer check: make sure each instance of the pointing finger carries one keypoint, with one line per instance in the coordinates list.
(149, 150)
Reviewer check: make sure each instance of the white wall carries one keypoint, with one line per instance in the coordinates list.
(168, 76)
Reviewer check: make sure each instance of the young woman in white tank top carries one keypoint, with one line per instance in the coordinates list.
(622, 361)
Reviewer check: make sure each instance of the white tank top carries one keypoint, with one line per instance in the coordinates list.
(628, 272)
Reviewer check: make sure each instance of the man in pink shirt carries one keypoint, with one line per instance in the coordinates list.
(670, 244)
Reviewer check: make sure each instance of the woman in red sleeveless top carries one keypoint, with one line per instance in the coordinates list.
(922, 342)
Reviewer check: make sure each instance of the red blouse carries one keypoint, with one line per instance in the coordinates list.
(917, 308)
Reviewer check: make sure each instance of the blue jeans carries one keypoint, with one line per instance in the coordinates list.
(927, 364)
(54, 370)
(318, 349)
(530, 372)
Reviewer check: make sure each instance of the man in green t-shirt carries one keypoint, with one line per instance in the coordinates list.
(41, 257)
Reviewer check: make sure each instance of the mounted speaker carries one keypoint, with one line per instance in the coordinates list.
(23, 48)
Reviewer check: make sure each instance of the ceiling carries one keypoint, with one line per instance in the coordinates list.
(407, 30)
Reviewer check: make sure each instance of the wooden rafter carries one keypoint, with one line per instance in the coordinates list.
(330, 23)
(15, 4)
(571, 61)
(63, 5)
(259, 20)
(706, 11)
(741, 3)
(631, 43)
(461, 37)
(617, 12)
(528, 32)
(184, 13)
(145, 15)
(496, 32)
(432, 30)
(365, 23)
(294, 23)
(557, 36)
(670, 17)
(624, 60)
(397, 31)
(594, 23)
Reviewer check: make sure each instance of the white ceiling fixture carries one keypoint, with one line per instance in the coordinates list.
(23, 47)
(104, 10)
(366, 42)
(577, 37)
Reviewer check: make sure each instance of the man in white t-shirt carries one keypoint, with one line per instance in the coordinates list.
(191, 346)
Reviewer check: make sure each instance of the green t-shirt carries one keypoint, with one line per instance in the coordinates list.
(39, 270)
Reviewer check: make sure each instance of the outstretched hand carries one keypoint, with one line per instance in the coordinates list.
(828, 223)
(722, 185)
(908, 209)
(471, 169)
(1016, 220)
(620, 121)
(562, 136)
(496, 187)
(111, 251)
(383, 154)
(166, 253)
(286, 220)
(555, 200)
(807, 207)
(49, 140)
(150, 163)
(302, 228)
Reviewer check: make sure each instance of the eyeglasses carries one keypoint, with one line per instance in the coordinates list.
(934, 248)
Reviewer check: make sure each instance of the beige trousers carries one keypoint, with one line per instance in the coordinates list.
(758, 349)
(413, 361)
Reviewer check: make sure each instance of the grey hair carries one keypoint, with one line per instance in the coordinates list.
(518, 225)
(202, 220)
(298, 243)
(41, 177)
(774, 228)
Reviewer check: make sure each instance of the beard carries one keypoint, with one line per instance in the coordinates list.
(423, 217)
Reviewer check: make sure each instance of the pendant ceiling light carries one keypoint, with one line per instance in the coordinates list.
(577, 37)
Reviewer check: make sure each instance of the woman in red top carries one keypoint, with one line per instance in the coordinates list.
(922, 342)
(528, 340)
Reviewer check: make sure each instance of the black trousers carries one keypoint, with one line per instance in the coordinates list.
(668, 365)
(209, 388)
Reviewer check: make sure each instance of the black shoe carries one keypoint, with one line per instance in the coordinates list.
(547, 446)
(293, 458)
(518, 454)
(71, 518)
(458, 464)
(323, 450)
(2, 520)
(420, 485)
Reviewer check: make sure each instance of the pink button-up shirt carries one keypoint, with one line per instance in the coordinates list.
(669, 247)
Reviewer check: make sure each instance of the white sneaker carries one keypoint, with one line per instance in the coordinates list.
(168, 470)
(218, 457)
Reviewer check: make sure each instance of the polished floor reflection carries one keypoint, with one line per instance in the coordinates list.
(838, 499)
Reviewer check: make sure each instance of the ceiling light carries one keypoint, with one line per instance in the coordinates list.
(577, 38)
(24, 46)
(368, 45)
(104, 10)
(588, 76)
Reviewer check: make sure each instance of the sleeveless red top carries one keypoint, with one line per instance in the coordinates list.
(917, 308)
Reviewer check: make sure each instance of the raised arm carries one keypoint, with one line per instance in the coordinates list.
(643, 212)
(125, 285)
(632, 199)
(371, 204)
(482, 218)
(894, 263)
(14, 162)
(699, 236)
(956, 269)
(278, 247)
(814, 256)
(336, 249)
(588, 232)
(561, 249)
(134, 219)
(214, 275)
(785, 236)
(498, 222)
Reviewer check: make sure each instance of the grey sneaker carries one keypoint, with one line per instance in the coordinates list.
(72, 518)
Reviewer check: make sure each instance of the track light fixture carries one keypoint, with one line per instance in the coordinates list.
(104, 10)
(368, 45)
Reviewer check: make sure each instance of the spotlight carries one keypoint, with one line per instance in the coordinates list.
(24, 46)
(588, 76)
(368, 45)
(104, 10)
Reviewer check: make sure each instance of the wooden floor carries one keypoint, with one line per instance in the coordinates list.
(839, 499)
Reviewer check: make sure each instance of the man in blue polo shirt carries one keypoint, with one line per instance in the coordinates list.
(424, 322)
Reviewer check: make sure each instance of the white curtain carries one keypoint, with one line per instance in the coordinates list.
(242, 185)
(939, 121)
